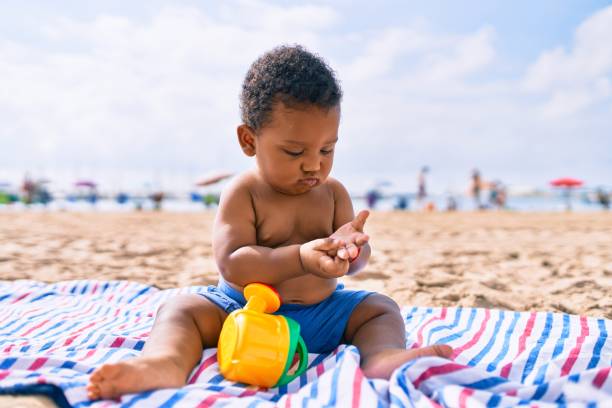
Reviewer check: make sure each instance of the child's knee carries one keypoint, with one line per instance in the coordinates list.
(188, 306)
(381, 304)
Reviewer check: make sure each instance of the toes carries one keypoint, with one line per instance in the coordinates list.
(93, 391)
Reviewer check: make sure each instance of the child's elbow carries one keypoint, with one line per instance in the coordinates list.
(230, 270)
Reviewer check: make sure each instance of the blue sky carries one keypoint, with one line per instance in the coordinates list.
(140, 91)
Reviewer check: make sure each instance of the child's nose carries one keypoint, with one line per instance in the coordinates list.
(311, 163)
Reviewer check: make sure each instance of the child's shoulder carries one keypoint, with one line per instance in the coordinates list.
(239, 188)
(336, 187)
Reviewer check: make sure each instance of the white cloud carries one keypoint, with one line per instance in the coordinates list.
(579, 77)
(161, 94)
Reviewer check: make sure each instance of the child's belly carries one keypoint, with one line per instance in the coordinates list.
(306, 290)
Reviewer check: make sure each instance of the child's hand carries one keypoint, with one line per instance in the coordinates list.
(315, 258)
(352, 234)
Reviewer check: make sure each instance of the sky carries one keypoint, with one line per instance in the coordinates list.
(129, 93)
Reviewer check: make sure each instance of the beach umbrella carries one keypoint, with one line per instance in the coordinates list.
(213, 179)
(85, 183)
(567, 183)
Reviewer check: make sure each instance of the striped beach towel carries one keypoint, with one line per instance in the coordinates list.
(53, 335)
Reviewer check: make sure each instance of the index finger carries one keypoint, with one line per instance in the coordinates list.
(359, 221)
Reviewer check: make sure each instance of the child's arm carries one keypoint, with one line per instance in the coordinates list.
(242, 261)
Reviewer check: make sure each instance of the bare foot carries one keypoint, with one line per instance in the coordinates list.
(135, 375)
(382, 364)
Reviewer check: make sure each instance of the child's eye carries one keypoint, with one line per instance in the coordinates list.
(291, 153)
(327, 151)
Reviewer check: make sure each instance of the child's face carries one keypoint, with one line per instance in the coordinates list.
(295, 151)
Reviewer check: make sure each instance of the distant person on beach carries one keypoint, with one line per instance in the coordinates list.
(372, 197)
(422, 184)
(603, 198)
(28, 189)
(476, 188)
(287, 224)
(451, 204)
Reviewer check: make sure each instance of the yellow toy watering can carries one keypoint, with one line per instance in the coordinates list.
(256, 347)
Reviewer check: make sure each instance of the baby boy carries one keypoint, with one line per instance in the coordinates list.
(285, 223)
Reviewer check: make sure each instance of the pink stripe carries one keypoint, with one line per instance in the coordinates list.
(248, 393)
(69, 340)
(419, 341)
(31, 329)
(4, 374)
(357, 381)
(31, 311)
(505, 371)
(437, 370)
(95, 287)
(601, 377)
(20, 297)
(211, 399)
(205, 364)
(463, 397)
(573, 355)
(320, 369)
(83, 328)
(476, 337)
(39, 362)
(118, 342)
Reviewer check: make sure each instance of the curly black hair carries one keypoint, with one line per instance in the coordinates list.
(287, 74)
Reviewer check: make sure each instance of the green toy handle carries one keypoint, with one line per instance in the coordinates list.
(303, 353)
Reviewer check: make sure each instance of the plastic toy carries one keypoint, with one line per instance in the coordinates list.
(256, 347)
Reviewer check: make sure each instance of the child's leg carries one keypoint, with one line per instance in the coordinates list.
(377, 329)
(184, 326)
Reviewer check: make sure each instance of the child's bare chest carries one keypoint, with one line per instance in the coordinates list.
(286, 220)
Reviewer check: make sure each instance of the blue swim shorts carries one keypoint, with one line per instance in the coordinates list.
(322, 325)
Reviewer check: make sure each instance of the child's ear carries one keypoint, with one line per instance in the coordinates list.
(246, 138)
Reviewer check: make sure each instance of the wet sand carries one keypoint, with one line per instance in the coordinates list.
(516, 261)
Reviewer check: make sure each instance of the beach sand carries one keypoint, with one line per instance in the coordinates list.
(516, 261)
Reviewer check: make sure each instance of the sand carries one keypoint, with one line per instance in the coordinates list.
(516, 261)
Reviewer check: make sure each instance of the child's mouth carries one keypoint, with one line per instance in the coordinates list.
(310, 181)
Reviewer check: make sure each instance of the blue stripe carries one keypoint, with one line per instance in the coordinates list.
(137, 398)
(7, 363)
(409, 314)
(541, 376)
(504, 350)
(455, 336)
(486, 383)
(599, 345)
(334, 384)
(540, 391)
(494, 401)
(446, 327)
(4, 297)
(533, 356)
(47, 345)
(140, 292)
(44, 295)
(48, 329)
(216, 379)
(68, 364)
(106, 356)
(491, 342)
(176, 397)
